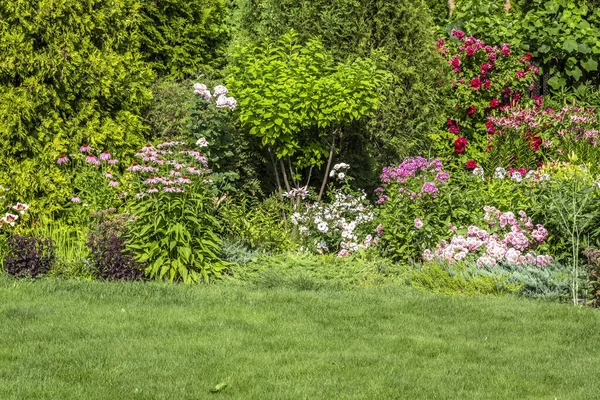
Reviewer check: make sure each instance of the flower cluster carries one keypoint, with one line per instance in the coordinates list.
(219, 92)
(169, 167)
(415, 177)
(339, 226)
(487, 80)
(510, 239)
(339, 171)
(11, 219)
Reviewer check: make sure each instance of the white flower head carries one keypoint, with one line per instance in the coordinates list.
(202, 142)
(341, 176)
(516, 176)
(500, 173)
(220, 90)
(322, 227)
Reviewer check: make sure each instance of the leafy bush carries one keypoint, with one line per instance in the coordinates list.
(487, 80)
(28, 256)
(400, 29)
(110, 259)
(182, 37)
(298, 101)
(174, 231)
(70, 73)
(560, 34)
(257, 225)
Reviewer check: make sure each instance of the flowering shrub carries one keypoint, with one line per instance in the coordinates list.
(486, 80)
(343, 225)
(545, 135)
(510, 239)
(411, 201)
(91, 173)
(174, 231)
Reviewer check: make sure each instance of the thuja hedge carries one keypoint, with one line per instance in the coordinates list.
(70, 73)
(182, 37)
(401, 29)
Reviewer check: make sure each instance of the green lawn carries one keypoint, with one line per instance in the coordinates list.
(93, 340)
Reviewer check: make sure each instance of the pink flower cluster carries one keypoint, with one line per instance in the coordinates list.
(169, 175)
(417, 176)
(514, 243)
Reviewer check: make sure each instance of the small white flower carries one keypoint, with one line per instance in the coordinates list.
(202, 142)
(516, 176)
(341, 176)
(220, 90)
(500, 173)
(322, 227)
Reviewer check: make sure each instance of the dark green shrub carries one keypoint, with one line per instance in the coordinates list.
(70, 73)
(182, 37)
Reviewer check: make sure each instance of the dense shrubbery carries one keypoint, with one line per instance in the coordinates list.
(485, 187)
(182, 37)
(71, 73)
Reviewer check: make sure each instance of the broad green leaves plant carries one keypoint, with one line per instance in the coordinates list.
(175, 234)
(297, 100)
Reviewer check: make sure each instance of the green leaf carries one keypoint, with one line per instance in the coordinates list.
(570, 45)
(575, 73)
(590, 65)
(557, 82)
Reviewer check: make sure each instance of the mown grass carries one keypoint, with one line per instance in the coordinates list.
(95, 340)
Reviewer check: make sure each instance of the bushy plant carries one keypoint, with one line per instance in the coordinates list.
(411, 214)
(71, 73)
(509, 239)
(402, 30)
(182, 37)
(297, 101)
(561, 35)
(258, 225)
(110, 259)
(174, 231)
(569, 202)
(28, 256)
(486, 80)
(593, 260)
(545, 136)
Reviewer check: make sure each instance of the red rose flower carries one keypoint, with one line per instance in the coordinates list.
(494, 103)
(536, 143)
(522, 171)
(487, 84)
(475, 83)
(471, 165)
(460, 144)
(454, 129)
(471, 110)
(490, 127)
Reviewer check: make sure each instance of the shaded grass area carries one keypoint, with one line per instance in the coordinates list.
(95, 340)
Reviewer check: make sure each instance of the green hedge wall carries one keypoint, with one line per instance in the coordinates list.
(182, 37)
(70, 73)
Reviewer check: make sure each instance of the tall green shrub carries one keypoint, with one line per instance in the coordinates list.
(400, 29)
(70, 73)
(181, 37)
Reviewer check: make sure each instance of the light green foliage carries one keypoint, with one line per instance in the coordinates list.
(70, 248)
(182, 37)
(167, 115)
(175, 235)
(295, 98)
(258, 225)
(400, 29)
(570, 203)
(70, 73)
